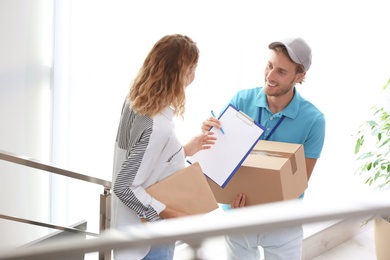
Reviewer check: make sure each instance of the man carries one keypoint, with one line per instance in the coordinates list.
(287, 117)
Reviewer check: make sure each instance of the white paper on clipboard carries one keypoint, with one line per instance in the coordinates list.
(230, 150)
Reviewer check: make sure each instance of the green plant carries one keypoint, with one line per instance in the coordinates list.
(372, 148)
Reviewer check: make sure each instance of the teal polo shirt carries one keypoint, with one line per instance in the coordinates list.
(303, 123)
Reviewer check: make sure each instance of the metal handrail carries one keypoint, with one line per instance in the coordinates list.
(196, 229)
(47, 225)
(105, 214)
(29, 162)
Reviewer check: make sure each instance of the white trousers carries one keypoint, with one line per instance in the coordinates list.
(281, 244)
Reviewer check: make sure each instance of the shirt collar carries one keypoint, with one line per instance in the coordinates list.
(290, 111)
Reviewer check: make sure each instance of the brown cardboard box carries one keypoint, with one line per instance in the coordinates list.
(273, 171)
(186, 191)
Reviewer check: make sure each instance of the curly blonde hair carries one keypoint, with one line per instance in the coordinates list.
(164, 75)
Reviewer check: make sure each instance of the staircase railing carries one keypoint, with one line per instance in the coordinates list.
(194, 230)
(105, 196)
(48, 225)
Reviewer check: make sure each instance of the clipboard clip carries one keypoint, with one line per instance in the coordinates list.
(244, 117)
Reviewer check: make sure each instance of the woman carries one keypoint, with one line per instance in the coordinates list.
(147, 149)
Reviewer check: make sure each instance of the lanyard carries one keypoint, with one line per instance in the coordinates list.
(275, 127)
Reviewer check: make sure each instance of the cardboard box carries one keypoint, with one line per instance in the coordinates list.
(186, 190)
(273, 171)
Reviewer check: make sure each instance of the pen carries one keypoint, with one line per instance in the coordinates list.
(212, 113)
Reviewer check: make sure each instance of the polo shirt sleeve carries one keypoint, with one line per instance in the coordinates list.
(315, 141)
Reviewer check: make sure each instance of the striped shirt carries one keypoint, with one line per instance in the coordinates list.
(146, 151)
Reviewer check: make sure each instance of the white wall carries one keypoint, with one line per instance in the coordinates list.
(110, 39)
(24, 116)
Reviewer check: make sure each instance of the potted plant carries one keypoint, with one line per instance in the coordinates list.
(372, 152)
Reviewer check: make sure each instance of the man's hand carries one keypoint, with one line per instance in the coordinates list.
(210, 122)
(239, 201)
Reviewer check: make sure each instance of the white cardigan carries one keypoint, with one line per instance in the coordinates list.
(146, 151)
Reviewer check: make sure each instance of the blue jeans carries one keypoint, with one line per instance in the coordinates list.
(164, 252)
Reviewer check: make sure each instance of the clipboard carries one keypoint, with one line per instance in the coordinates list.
(230, 150)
